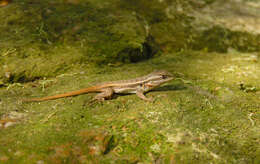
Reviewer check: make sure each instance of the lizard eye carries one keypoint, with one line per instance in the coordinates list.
(164, 76)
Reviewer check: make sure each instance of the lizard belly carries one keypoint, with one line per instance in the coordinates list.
(125, 90)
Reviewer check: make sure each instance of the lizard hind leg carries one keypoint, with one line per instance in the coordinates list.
(105, 94)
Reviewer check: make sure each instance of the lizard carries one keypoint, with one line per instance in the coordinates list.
(139, 86)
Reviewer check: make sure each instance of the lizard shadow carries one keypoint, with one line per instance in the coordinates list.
(169, 88)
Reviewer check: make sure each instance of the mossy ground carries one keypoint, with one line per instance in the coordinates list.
(208, 114)
(208, 119)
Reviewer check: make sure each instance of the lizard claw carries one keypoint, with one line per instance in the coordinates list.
(150, 99)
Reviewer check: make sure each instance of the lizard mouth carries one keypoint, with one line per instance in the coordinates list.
(165, 80)
(157, 83)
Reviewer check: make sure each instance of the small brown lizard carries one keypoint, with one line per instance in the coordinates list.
(138, 86)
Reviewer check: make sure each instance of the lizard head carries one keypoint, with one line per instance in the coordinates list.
(157, 78)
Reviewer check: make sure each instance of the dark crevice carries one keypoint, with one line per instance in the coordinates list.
(20, 78)
(133, 55)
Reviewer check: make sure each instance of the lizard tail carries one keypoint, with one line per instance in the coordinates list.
(68, 94)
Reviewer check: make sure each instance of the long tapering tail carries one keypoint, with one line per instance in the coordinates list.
(68, 94)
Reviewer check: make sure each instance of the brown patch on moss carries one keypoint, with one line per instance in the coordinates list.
(4, 2)
(67, 152)
(98, 141)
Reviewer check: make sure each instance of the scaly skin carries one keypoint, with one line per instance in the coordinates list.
(138, 86)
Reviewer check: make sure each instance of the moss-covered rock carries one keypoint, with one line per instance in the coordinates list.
(64, 35)
(219, 39)
(71, 34)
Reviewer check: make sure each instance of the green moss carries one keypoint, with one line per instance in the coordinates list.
(244, 42)
(153, 13)
(202, 116)
(214, 39)
(172, 35)
(195, 122)
(66, 36)
(209, 1)
(219, 39)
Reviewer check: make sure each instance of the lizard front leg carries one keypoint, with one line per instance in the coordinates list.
(140, 94)
(106, 93)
